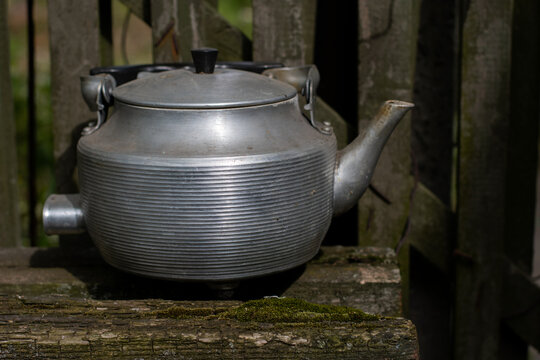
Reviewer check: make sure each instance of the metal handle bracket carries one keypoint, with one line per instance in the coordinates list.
(306, 80)
(97, 93)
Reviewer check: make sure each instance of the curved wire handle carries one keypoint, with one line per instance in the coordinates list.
(306, 80)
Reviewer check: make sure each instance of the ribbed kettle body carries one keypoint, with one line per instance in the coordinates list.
(207, 195)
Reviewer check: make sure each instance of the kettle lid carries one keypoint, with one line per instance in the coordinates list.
(203, 88)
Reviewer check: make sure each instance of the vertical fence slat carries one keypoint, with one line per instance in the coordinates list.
(181, 25)
(520, 200)
(9, 213)
(386, 54)
(75, 48)
(523, 134)
(165, 31)
(434, 96)
(284, 31)
(484, 125)
(174, 29)
(432, 225)
(386, 66)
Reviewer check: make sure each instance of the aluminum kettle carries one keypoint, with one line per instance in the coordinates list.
(212, 172)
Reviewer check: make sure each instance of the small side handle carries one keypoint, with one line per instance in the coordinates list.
(63, 214)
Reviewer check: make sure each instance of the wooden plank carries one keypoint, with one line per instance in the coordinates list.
(232, 44)
(386, 54)
(181, 25)
(191, 32)
(383, 75)
(284, 31)
(523, 134)
(435, 89)
(431, 236)
(43, 328)
(521, 170)
(165, 32)
(521, 304)
(363, 278)
(9, 211)
(432, 224)
(69, 303)
(484, 126)
(432, 228)
(75, 48)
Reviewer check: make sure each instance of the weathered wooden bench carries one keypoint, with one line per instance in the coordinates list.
(67, 303)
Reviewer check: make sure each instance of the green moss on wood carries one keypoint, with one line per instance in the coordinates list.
(271, 310)
(288, 310)
(180, 312)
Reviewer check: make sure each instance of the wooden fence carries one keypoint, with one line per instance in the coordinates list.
(465, 198)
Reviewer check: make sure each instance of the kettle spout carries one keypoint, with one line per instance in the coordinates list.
(355, 164)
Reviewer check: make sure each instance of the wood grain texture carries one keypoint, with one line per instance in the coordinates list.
(432, 228)
(43, 328)
(366, 279)
(435, 96)
(484, 126)
(284, 31)
(9, 211)
(387, 49)
(67, 303)
(386, 54)
(165, 32)
(181, 25)
(75, 48)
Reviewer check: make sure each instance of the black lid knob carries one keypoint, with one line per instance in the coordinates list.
(204, 60)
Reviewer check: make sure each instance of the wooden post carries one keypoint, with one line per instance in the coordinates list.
(284, 31)
(172, 33)
(435, 89)
(75, 48)
(386, 53)
(520, 200)
(523, 134)
(432, 225)
(484, 126)
(181, 25)
(521, 313)
(9, 211)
